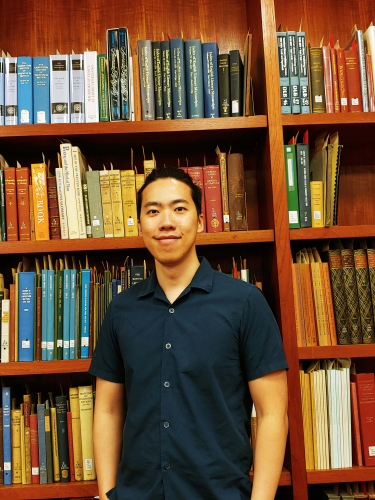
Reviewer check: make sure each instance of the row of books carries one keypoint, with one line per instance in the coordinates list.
(312, 179)
(334, 301)
(78, 202)
(47, 442)
(364, 490)
(338, 408)
(56, 312)
(332, 79)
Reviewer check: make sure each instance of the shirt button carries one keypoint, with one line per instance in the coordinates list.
(171, 310)
(167, 466)
(166, 384)
(168, 346)
(166, 425)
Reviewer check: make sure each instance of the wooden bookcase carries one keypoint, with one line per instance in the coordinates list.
(39, 27)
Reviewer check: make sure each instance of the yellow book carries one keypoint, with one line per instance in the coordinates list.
(39, 182)
(310, 372)
(16, 447)
(76, 431)
(32, 218)
(334, 141)
(139, 181)
(149, 165)
(23, 451)
(116, 200)
(304, 416)
(309, 420)
(129, 203)
(106, 203)
(55, 446)
(321, 319)
(316, 189)
(86, 411)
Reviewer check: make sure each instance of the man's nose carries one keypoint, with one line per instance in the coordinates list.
(167, 220)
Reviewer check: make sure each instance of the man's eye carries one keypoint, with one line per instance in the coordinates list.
(152, 211)
(180, 209)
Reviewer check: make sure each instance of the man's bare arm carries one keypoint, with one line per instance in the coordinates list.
(270, 397)
(107, 433)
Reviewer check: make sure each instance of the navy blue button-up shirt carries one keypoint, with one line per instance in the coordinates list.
(185, 367)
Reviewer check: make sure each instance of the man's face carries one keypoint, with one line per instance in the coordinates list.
(168, 220)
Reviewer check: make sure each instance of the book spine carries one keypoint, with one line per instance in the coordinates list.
(303, 71)
(224, 85)
(2, 122)
(335, 82)
(91, 319)
(85, 313)
(59, 313)
(72, 313)
(11, 203)
(354, 84)
(129, 204)
(103, 88)
(196, 173)
(362, 70)
(7, 452)
(39, 181)
(62, 435)
(2, 208)
(114, 75)
(366, 403)
(210, 53)
(236, 88)
(10, 89)
(319, 304)
(77, 324)
(59, 89)
(38, 356)
(370, 83)
(316, 190)
(293, 72)
(76, 433)
(124, 73)
(106, 203)
(70, 442)
(317, 80)
(26, 407)
(303, 177)
(167, 80)
(158, 82)
(77, 71)
(364, 296)
(212, 191)
(339, 296)
(371, 272)
(25, 90)
(91, 86)
(351, 294)
(328, 83)
(292, 187)
(42, 444)
(308, 305)
(136, 88)
(70, 191)
(35, 476)
(116, 200)
(95, 204)
(356, 435)
(146, 79)
(236, 192)
(282, 50)
(12, 312)
(5, 354)
(61, 204)
(179, 104)
(85, 197)
(328, 297)
(343, 83)
(131, 91)
(298, 306)
(50, 315)
(86, 417)
(55, 446)
(53, 209)
(26, 298)
(66, 313)
(222, 160)
(16, 447)
(194, 76)
(78, 191)
(44, 313)
(41, 90)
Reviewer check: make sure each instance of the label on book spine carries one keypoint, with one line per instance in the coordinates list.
(77, 89)
(59, 89)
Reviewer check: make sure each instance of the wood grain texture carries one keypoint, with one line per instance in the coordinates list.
(340, 351)
(364, 231)
(341, 475)
(325, 119)
(44, 367)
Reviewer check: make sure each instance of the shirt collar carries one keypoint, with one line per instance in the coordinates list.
(202, 279)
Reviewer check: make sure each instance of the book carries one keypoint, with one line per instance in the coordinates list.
(221, 160)
(236, 77)
(328, 81)
(303, 179)
(365, 386)
(16, 446)
(26, 297)
(76, 432)
(146, 71)
(113, 75)
(66, 313)
(298, 306)
(293, 72)
(62, 204)
(248, 100)
(25, 90)
(39, 182)
(129, 205)
(23, 203)
(194, 77)
(282, 51)
(41, 90)
(55, 443)
(42, 444)
(12, 313)
(48, 437)
(95, 203)
(79, 169)
(59, 311)
(124, 71)
(5, 331)
(224, 85)
(343, 84)
(103, 88)
(356, 435)
(62, 434)
(85, 196)
(59, 89)
(362, 70)
(158, 81)
(308, 304)
(292, 186)
(2, 208)
(364, 296)
(303, 71)
(91, 86)
(86, 417)
(116, 200)
(178, 74)
(370, 84)
(85, 301)
(11, 203)
(212, 195)
(106, 203)
(236, 192)
(196, 173)
(70, 190)
(335, 79)
(50, 315)
(11, 91)
(353, 81)
(167, 79)
(319, 164)
(72, 313)
(317, 80)
(351, 295)
(34, 450)
(53, 209)
(77, 70)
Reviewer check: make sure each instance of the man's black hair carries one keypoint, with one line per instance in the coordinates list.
(172, 173)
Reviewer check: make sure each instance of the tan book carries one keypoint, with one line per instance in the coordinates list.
(86, 411)
(309, 420)
(129, 203)
(149, 165)
(319, 304)
(328, 292)
(55, 445)
(106, 203)
(26, 412)
(139, 181)
(23, 453)
(79, 171)
(39, 182)
(116, 200)
(76, 431)
(304, 417)
(15, 416)
(137, 89)
(310, 372)
(316, 190)
(308, 305)
(221, 160)
(69, 190)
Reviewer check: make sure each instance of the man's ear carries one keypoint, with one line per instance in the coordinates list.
(200, 223)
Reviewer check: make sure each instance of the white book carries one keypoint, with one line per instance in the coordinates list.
(328, 371)
(69, 190)
(325, 419)
(91, 86)
(338, 416)
(77, 89)
(59, 88)
(335, 420)
(342, 424)
(5, 311)
(131, 83)
(317, 417)
(76, 153)
(10, 87)
(62, 204)
(369, 41)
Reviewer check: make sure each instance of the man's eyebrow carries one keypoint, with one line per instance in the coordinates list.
(159, 204)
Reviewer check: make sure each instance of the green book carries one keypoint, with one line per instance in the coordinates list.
(103, 88)
(291, 186)
(85, 195)
(60, 297)
(95, 203)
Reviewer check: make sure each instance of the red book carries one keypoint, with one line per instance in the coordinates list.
(70, 441)
(370, 83)
(11, 203)
(356, 436)
(38, 324)
(12, 312)
(23, 203)
(366, 408)
(53, 209)
(354, 83)
(212, 195)
(34, 449)
(196, 173)
(343, 83)
(328, 86)
(335, 82)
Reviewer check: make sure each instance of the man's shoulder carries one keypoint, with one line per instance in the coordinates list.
(233, 285)
(130, 295)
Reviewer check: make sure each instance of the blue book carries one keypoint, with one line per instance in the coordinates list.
(26, 302)
(210, 54)
(7, 446)
(2, 92)
(178, 78)
(85, 313)
(293, 72)
(194, 78)
(44, 314)
(72, 312)
(114, 287)
(283, 54)
(303, 71)
(42, 444)
(66, 314)
(41, 89)
(51, 316)
(25, 90)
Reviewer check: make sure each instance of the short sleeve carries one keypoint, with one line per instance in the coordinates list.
(107, 360)
(261, 348)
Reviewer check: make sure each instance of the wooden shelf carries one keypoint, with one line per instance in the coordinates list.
(45, 367)
(341, 475)
(322, 119)
(88, 244)
(315, 233)
(338, 351)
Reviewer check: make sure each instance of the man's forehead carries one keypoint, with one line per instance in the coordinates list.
(166, 190)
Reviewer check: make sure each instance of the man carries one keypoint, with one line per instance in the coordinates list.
(175, 354)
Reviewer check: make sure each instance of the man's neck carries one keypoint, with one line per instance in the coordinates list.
(174, 279)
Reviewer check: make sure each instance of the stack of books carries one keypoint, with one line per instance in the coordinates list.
(348, 491)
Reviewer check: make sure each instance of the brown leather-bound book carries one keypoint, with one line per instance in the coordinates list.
(317, 80)
(356, 436)
(335, 81)
(328, 81)
(212, 194)
(27, 408)
(351, 294)
(343, 84)
(91, 320)
(11, 203)
(236, 189)
(370, 84)
(364, 296)
(23, 203)
(196, 173)
(38, 324)
(12, 312)
(53, 209)
(137, 88)
(221, 160)
(354, 83)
